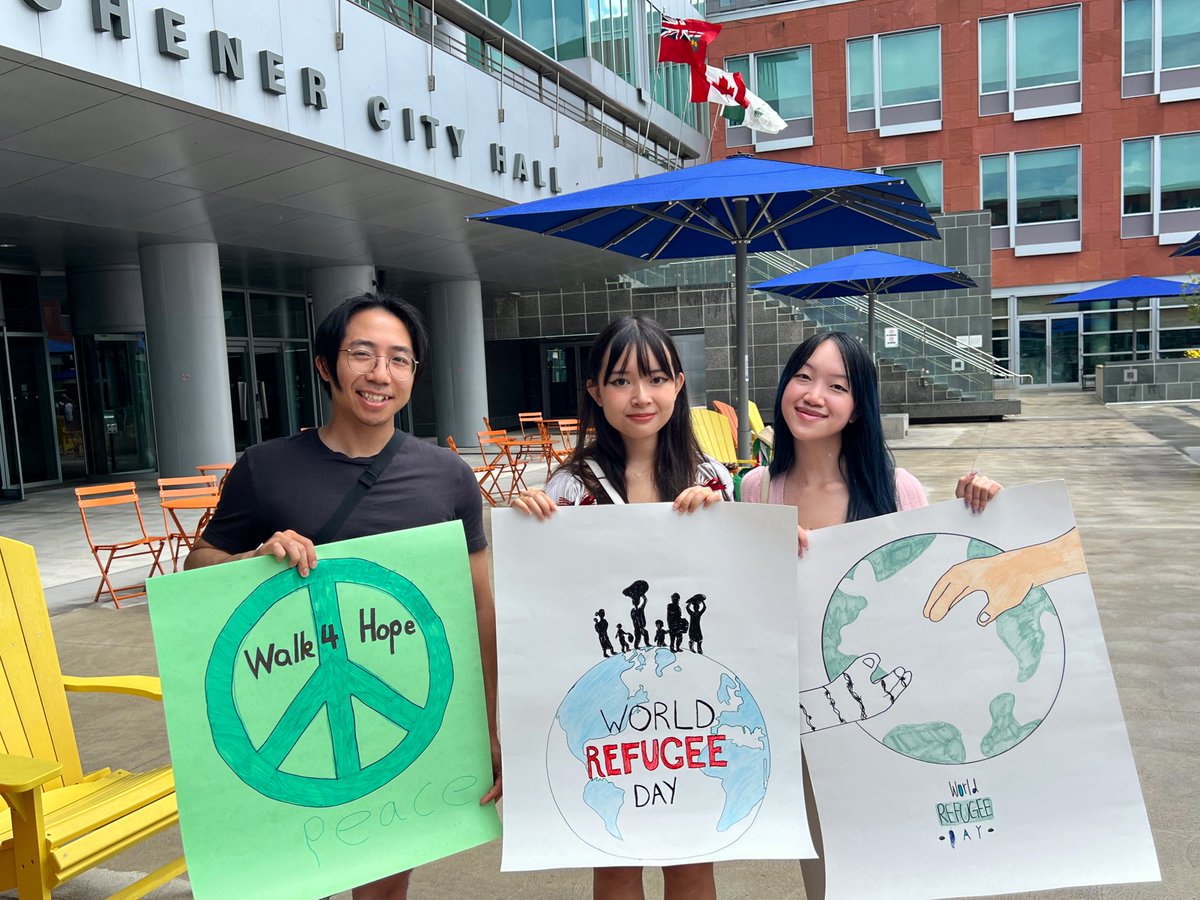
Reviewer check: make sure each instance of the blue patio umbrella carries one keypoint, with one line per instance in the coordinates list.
(743, 204)
(1134, 289)
(869, 272)
(1191, 248)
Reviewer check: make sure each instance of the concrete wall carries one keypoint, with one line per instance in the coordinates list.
(1176, 379)
(775, 332)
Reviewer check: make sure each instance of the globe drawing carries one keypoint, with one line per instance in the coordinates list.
(976, 692)
(649, 697)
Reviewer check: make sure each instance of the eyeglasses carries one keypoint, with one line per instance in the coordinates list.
(400, 367)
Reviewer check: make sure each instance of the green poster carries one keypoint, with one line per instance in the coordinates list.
(330, 730)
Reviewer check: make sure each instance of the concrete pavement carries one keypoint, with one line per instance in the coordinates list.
(1136, 497)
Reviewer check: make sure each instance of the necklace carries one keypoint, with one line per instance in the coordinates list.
(637, 474)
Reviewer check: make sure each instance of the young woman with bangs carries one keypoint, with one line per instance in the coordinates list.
(830, 459)
(643, 451)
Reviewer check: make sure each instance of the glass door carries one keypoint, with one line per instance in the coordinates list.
(11, 485)
(116, 403)
(1031, 342)
(283, 384)
(1049, 349)
(241, 400)
(1064, 350)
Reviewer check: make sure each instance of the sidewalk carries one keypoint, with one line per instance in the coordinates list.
(1137, 500)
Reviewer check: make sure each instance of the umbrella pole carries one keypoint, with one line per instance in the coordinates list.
(1133, 353)
(742, 327)
(871, 324)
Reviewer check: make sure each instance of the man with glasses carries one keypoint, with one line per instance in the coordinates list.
(283, 493)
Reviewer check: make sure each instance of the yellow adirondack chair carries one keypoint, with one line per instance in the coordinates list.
(756, 420)
(59, 821)
(713, 434)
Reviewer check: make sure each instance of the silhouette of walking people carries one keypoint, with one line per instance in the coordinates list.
(601, 626)
(677, 625)
(696, 607)
(623, 636)
(636, 593)
(660, 635)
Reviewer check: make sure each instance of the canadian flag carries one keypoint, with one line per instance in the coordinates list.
(713, 85)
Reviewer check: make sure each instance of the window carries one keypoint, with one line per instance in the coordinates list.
(1160, 187)
(1161, 49)
(1029, 64)
(1034, 200)
(783, 78)
(894, 82)
(924, 178)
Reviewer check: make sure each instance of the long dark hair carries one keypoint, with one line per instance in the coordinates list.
(677, 455)
(865, 460)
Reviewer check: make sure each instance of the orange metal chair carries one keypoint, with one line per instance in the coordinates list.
(109, 495)
(529, 419)
(219, 471)
(568, 433)
(495, 448)
(486, 476)
(196, 493)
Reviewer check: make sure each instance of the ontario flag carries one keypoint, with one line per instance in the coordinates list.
(713, 85)
(686, 40)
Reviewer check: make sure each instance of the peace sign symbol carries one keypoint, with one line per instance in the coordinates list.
(330, 688)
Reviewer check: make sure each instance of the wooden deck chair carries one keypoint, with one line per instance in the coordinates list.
(568, 433)
(756, 420)
(485, 476)
(58, 821)
(179, 535)
(531, 421)
(494, 448)
(712, 433)
(729, 413)
(121, 494)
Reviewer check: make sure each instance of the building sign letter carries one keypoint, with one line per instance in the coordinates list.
(377, 108)
(270, 66)
(226, 55)
(112, 15)
(170, 35)
(312, 88)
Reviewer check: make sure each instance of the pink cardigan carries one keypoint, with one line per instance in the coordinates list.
(909, 493)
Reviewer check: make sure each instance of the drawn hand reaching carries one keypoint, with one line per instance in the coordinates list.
(1007, 578)
(852, 696)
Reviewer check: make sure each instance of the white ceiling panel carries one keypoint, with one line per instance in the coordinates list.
(97, 130)
(244, 165)
(30, 97)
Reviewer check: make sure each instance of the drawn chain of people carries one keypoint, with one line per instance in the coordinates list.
(853, 696)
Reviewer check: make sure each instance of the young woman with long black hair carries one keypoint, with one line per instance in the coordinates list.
(643, 451)
(830, 459)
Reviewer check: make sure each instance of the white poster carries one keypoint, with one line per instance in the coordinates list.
(1001, 763)
(648, 679)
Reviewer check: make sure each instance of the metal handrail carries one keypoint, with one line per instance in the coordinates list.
(532, 83)
(975, 357)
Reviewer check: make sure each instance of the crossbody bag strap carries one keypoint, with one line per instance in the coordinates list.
(764, 492)
(364, 483)
(604, 484)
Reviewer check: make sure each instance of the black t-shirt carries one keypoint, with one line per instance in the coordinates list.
(297, 483)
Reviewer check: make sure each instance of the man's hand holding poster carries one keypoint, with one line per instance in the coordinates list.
(648, 686)
(329, 730)
(999, 760)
